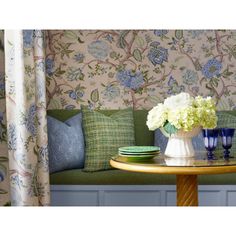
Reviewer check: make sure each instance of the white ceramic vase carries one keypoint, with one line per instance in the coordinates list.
(180, 144)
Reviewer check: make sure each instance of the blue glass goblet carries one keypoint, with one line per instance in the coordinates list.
(227, 136)
(210, 141)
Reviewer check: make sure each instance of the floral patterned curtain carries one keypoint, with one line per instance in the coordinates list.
(26, 117)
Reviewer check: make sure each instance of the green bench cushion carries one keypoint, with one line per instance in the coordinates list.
(119, 177)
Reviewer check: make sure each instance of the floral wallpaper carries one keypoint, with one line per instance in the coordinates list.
(4, 185)
(111, 69)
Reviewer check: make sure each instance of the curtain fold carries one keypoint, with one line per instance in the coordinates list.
(26, 117)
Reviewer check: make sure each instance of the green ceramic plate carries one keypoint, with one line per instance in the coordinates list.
(140, 158)
(139, 149)
(139, 153)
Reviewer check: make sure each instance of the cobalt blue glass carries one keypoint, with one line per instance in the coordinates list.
(227, 136)
(210, 141)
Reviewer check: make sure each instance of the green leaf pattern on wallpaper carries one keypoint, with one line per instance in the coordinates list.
(111, 69)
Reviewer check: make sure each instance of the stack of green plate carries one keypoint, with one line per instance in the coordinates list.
(139, 152)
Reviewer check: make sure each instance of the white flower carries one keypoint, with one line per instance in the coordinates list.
(183, 112)
(179, 101)
(157, 117)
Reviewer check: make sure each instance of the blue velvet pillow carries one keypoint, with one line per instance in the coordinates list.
(161, 140)
(66, 144)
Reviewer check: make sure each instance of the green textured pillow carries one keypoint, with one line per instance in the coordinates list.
(104, 135)
(226, 120)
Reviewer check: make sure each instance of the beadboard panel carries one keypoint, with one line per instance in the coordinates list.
(132, 198)
(141, 195)
(231, 198)
(75, 198)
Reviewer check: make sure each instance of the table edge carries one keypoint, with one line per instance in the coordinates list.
(177, 170)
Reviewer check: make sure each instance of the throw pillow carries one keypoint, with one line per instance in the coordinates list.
(66, 143)
(104, 135)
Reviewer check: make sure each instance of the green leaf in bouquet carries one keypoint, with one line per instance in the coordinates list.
(169, 128)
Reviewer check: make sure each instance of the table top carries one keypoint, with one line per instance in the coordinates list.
(166, 165)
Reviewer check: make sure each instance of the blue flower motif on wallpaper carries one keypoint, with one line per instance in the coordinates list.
(157, 55)
(79, 57)
(130, 79)
(190, 77)
(74, 74)
(98, 49)
(174, 87)
(160, 33)
(195, 33)
(195, 90)
(70, 107)
(12, 138)
(76, 94)
(28, 38)
(211, 68)
(2, 83)
(109, 38)
(1, 116)
(3, 130)
(1, 175)
(150, 64)
(49, 66)
(73, 95)
(154, 44)
(111, 92)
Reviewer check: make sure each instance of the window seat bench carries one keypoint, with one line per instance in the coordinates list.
(120, 188)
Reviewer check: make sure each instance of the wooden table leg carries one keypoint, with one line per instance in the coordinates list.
(187, 190)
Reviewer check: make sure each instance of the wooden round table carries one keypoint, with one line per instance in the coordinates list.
(186, 171)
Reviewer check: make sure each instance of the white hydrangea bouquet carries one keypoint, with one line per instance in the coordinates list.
(180, 118)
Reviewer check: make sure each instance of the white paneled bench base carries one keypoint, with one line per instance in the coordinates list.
(137, 195)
